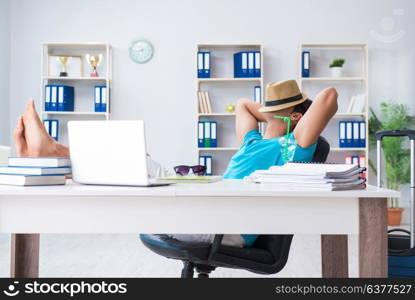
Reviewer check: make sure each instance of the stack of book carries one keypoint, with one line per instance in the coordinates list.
(314, 176)
(35, 171)
(205, 107)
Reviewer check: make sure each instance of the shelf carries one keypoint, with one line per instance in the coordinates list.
(217, 115)
(219, 149)
(336, 149)
(76, 45)
(248, 79)
(333, 78)
(231, 45)
(75, 113)
(330, 45)
(75, 78)
(345, 115)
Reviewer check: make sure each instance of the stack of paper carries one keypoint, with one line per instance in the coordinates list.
(35, 171)
(296, 176)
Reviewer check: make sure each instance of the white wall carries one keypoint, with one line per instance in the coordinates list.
(4, 70)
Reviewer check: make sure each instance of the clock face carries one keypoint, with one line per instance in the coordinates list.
(141, 51)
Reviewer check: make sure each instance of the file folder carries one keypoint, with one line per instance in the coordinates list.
(207, 140)
(104, 99)
(244, 64)
(208, 165)
(66, 98)
(213, 134)
(257, 94)
(362, 135)
(356, 135)
(202, 160)
(200, 65)
(349, 134)
(97, 99)
(362, 164)
(305, 64)
(201, 134)
(206, 65)
(257, 70)
(355, 160)
(54, 98)
(240, 61)
(342, 134)
(47, 97)
(251, 64)
(46, 123)
(52, 128)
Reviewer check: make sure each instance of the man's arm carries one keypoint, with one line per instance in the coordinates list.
(316, 118)
(247, 117)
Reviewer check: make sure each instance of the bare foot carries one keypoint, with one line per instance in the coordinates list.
(31, 137)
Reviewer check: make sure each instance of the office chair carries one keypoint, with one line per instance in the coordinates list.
(268, 255)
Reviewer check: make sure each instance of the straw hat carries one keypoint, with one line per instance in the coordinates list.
(281, 95)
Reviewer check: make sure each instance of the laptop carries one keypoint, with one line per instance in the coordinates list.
(109, 153)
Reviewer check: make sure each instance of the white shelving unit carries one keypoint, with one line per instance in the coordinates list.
(84, 85)
(356, 55)
(221, 80)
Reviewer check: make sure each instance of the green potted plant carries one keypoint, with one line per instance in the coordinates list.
(336, 67)
(396, 154)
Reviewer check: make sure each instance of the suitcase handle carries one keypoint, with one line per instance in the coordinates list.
(399, 230)
(409, 133)
(396, 251)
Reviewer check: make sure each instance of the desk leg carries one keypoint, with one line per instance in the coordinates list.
(334, 256)
(24, 256)
(373, 237)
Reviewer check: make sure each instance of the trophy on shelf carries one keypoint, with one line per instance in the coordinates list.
(94, 61)
(64, 61)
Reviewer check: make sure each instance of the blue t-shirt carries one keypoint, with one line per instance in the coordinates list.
(257, 153)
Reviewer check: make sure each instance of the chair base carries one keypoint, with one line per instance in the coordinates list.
(203, 271)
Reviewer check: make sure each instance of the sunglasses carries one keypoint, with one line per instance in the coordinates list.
(184, 170)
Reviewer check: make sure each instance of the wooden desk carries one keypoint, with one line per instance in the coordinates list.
(229, 206)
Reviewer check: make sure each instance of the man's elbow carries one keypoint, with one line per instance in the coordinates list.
(331, 98)
(241, 103)
(332, 92)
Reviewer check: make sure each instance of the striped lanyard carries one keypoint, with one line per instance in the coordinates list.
(288, 120)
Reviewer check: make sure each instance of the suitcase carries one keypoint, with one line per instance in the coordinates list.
(401, 247)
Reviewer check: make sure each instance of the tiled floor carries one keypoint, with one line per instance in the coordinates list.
(125, 256)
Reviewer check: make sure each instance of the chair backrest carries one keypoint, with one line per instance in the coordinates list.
(322, 150)
(279, 245)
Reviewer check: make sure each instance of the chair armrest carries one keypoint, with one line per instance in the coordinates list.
(215, 245)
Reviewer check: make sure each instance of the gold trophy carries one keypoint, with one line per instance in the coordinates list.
(64, 61)
(94, 61)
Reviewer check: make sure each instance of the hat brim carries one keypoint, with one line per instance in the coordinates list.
(282, 106)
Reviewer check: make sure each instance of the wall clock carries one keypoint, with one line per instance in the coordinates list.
(141, 51)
